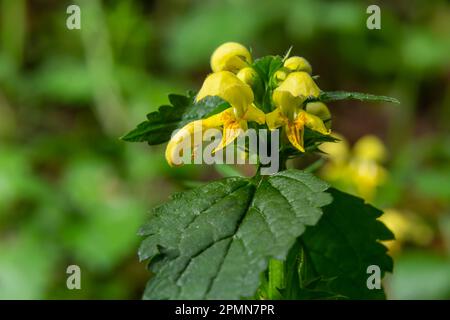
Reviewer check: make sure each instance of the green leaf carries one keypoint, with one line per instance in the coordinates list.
(160, 124)
(214, 242)
(267, 66)
(327, 96)
(345, 242)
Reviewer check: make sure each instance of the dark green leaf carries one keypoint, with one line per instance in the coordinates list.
(214, 242)
(327, 96)
(160, 124)
(345, 242)
(207, 107)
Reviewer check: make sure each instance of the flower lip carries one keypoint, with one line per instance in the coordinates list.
(300, 83)
(227, 86)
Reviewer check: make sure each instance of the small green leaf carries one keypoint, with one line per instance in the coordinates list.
(345, 242)
(160, 124)
(267, 66)
(214, 242)
(327, 96)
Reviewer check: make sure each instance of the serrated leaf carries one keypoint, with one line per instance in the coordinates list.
(327, 96)
(345, 242)
(213, 242)
(160, 124)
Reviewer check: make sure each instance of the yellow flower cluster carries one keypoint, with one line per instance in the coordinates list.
(232, 80)
(360, 168)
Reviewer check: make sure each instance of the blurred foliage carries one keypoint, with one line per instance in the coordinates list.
(72, 193)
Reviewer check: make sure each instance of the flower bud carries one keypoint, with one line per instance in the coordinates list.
(298, 64)
(230, 56)
(247, 75)
(281, 74)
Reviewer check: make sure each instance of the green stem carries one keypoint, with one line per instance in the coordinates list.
(277, 268)
(276, 279)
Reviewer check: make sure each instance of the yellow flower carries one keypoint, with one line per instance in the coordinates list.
(290, 115)
(230, 56)
(367, 176)
(298, 64)
(358, 170)
(371, 148)
(300, 83)
(288, 99)
(233, 120)
(365, 166)
(337, 152)
(336, 168)
(407, 227)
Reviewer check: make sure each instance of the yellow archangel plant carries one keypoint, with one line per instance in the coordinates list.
(256, 230)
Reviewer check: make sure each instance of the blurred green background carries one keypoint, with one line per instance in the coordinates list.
(72, 193)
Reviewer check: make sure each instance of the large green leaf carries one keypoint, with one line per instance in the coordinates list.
(213, 242)
(160, 124)
(344, 243)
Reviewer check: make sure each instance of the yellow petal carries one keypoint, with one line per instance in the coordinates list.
(295, 135)
(176, 142)
(287, 103)
(230, 56)
(190, 130)
(215, 120)
(298, 64)
(313, 122)
(231, 130)
(275, 119)
(300, 84)
(227, 86)
(255, 114)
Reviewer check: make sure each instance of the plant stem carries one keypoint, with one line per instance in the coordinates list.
(276, 279)
(277, 268)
